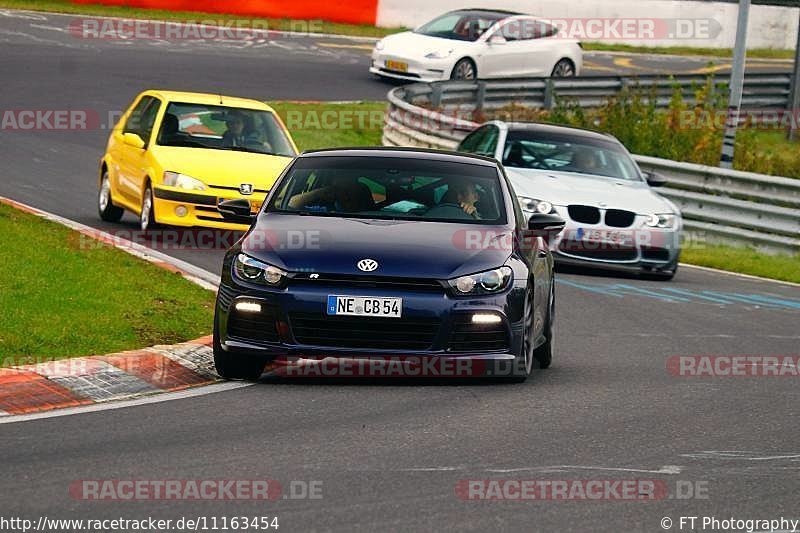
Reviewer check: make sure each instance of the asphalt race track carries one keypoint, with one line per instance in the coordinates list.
(390, 454)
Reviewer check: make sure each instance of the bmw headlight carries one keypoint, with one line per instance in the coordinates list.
(535, 206)
(489, 282)
(666, 220)
(438, 54)
(254, 271)
(182, 181)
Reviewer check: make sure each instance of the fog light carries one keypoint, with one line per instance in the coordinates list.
(181, 211)
(485, 318)
(248, 307)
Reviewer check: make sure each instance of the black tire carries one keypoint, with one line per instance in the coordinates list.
(543, 355)
(465, 69)
(565, 68)
(521, 366)
(105, 205)
(147, 216)
(235, 366)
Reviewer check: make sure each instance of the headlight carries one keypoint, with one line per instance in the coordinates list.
(253, 270)
(488, 282)
(438, 54)
(662, 221)
(535, 206)
(380, 45)
(182, 181)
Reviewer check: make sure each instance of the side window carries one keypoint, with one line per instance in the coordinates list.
(514, 30)
(143, 117)
(488, 143)
(536, 29)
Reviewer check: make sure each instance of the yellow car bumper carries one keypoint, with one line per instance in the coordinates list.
(175, 207)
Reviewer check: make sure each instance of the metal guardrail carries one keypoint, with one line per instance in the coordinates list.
(726, 206)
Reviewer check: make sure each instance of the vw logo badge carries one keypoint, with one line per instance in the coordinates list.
(367, 265)
(246, 189)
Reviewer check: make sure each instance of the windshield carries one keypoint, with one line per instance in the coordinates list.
(461, 25)
(223, 128)
(392, 188)
(568, 154)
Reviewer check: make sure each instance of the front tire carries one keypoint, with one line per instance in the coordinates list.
(235, 366)
(543, 355)
(105, 205)
(465, 69)
(147, 216)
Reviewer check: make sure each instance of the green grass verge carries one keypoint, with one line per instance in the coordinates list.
(312, 26)
(744, 261)
(359, 30)
(65, 295)
(753, 53)
(324, 125)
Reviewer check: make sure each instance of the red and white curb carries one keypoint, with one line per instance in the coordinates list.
(86, 381)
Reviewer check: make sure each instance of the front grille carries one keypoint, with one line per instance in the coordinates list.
(617, 218)
(254, 327)
(584, 213)
(475, 338)
(655, 254)
(363, 332)
(606, 252)
(369, 282)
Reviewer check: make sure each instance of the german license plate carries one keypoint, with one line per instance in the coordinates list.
(365, 306)
(607, 236)
(399, 66)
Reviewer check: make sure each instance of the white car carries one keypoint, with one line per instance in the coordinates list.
(614, 218)
(477, 43)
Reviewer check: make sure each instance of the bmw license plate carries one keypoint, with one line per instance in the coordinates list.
(608, 237)
(365, 306)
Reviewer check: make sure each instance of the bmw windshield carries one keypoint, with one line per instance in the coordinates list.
(392, 188)
(223, 128)
(562, 153)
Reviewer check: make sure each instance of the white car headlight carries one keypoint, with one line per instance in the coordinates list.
(535, 206)
(182, 181)
(438, 54)
(665, 220)
(253, 270)
(489, 282)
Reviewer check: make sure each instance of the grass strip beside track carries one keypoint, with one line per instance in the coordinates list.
(64, 295)
(744, 261)
(356, 30)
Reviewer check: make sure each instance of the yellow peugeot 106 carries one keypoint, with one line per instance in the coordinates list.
(174, 156)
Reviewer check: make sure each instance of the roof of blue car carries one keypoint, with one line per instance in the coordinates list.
(418, 153)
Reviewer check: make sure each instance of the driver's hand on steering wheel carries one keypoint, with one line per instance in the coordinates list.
(469, 209)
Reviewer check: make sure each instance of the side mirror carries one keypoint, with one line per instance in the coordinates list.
(133, 139)
(237, 211)
(654, 179)
(545, 226)
(497, 39)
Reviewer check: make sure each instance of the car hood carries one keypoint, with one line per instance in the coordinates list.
(568, 188)
(435, 250)
(410, 44)
(223, 167)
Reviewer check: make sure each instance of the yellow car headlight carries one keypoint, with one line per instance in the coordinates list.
(182, 181)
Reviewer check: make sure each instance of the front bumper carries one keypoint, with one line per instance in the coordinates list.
(293, 323)
(423, 70)
(640, 249)
(175, 207)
